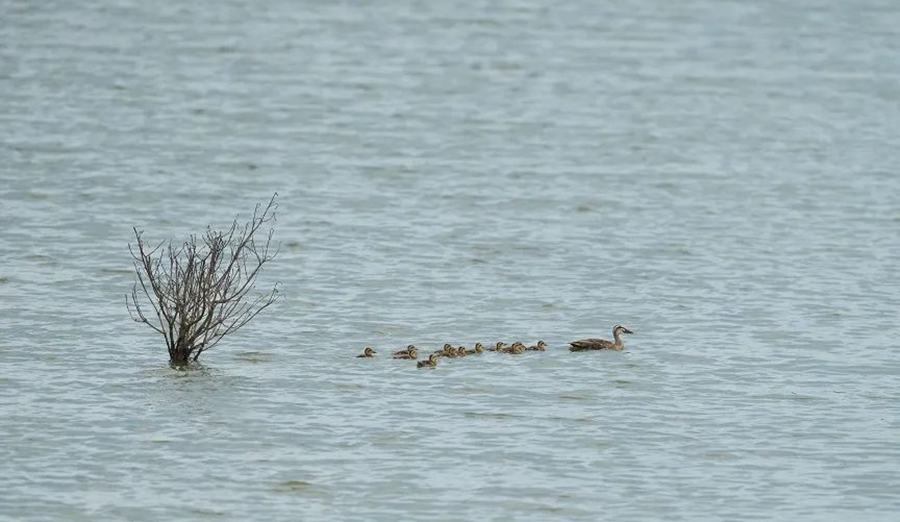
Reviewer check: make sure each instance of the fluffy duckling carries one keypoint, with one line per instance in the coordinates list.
(405, 351)
(602, 344)
(430, 363)
(452, 352)
(409, 353)
(445, 351)
(479, 348)
(461, 351)
(368, 352)
(539, 347)
(499, 347)
(516, 349)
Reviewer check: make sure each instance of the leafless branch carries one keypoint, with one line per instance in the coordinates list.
(199, 291)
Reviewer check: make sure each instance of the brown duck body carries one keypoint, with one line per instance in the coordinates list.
(445, 351)
(516, 349)
(405, 351)
(450, 353)
(539, 347)
(593, 344)
(410, 353)
(430, 363)
(601, 344)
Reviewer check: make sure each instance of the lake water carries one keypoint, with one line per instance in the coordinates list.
(721, 177)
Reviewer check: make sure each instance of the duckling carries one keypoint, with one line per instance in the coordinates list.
(479, 348)
(406, 351)
(540, 346)
(452, 352)
(430, 363)
(368, 352)
(461, 351)
(409, 353)
(499, 347)
(602, 344)
(516, 344)
(445, 351)
(516, 349)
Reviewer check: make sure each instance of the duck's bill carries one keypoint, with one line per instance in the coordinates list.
(626, 330)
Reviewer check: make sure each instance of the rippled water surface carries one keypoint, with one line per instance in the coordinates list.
(721, 177)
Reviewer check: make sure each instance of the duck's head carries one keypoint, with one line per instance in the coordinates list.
(619, 329)
(479, 348)
(412, 351)
(500, 345)
(518, 349)
(452, 352)
(410, 347)
(461, 351)
(433, 359)
(447, 347)
(517, 344)
(369, 352)
(541, 345)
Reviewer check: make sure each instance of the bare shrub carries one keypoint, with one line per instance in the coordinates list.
(199, 291)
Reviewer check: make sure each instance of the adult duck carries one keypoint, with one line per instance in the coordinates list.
(602, 344)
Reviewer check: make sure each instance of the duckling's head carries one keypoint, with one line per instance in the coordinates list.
(517, 344)
(433, 359)
(619, 329)
(500, 345)
(518, 349)
(412, 351)
(479, 348)
(369, 352)
(447, 346)
(452, 352)
(541, 345)
(461, 351)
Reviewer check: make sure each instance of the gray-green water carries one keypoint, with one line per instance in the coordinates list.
(721, 177)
